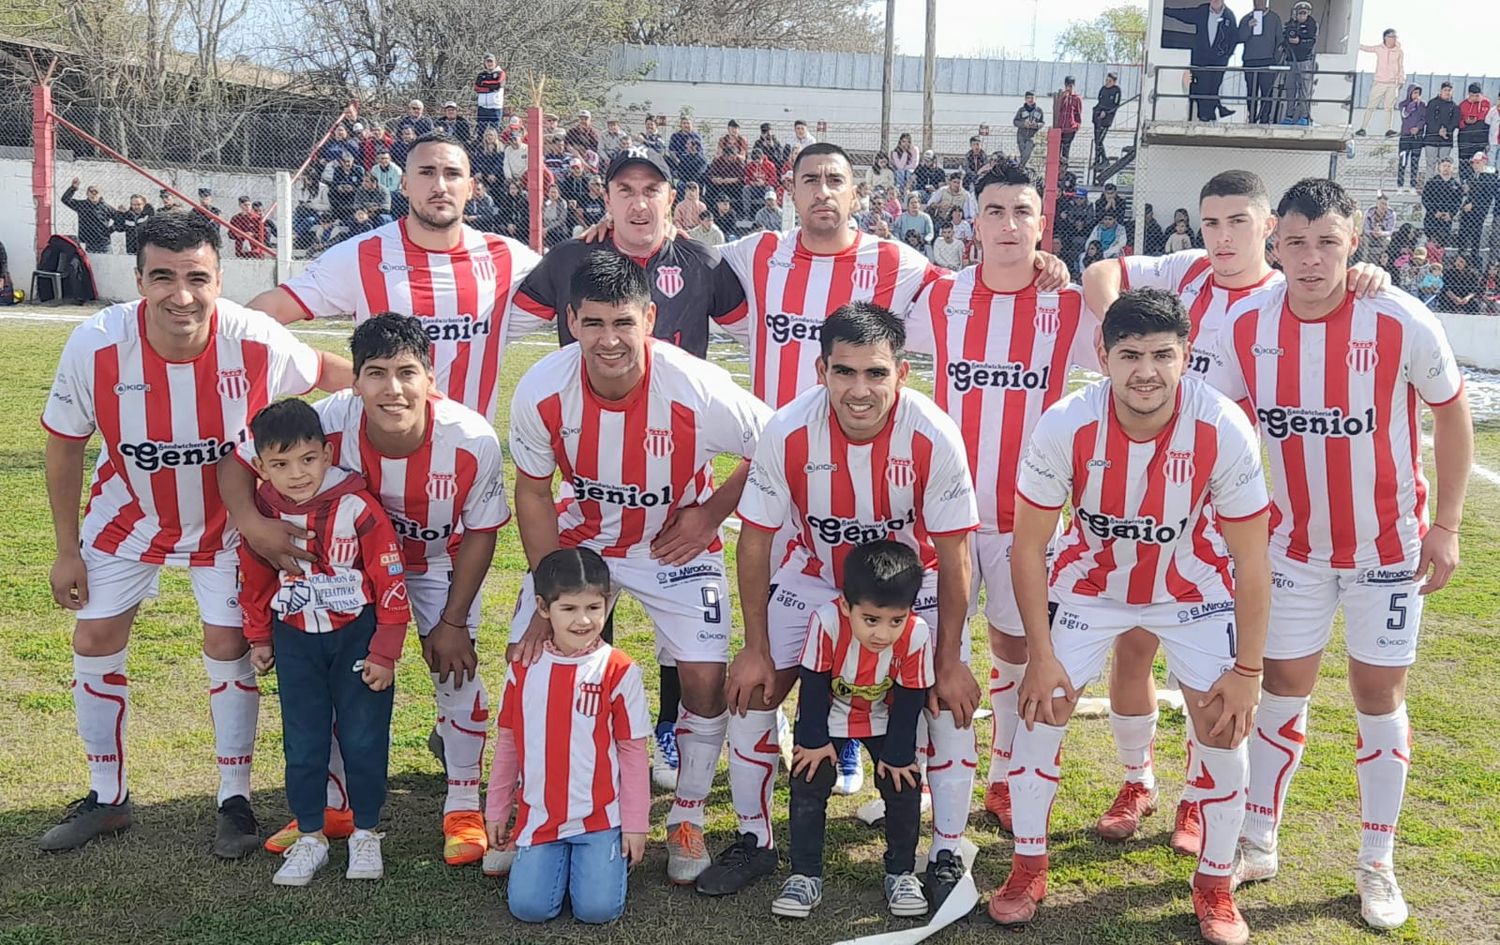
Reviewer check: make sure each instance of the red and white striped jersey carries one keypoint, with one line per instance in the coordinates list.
(909, 484)
(568, 715)
(1337, 403)
(863, 678)
(628, 464)
(790, 292)
(1142, 531)
(358, 565)
(462, 296)
(451, 485)
(164, 424)
(1190, 274)
(999, 359)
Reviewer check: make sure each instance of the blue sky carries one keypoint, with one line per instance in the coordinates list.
(986, 27)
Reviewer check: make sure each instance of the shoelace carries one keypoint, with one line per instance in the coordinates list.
(800, 889)
(947, 869)
(689, 839)
(81, 806)
(1021, 878)
(1378, 885)
(1125, 801)
(364, 852)
(739, 853)
(1218, 905)
(906, 886)
(301, 855)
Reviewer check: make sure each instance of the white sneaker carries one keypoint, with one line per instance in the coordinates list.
(784, 740)
(364, 856)
(301, 861)
(1381, 904)
(799, 896)
(851, 769)
(1253, 863)
(498, 860)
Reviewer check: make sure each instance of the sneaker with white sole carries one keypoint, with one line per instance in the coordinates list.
(1381, 904)
(664, 761)
(799, 896)
(1253, 863)
(903, 895)
(851, 769)
(497, 860)
(364, 856)
(687, 856)
(301, 861)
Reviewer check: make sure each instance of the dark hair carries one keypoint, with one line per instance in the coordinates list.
(1236, 184)
(1006, 174)
(568, 570)
(817, 148)
(862, 324)
(1142, 312)
(882, 574)
(175, 231)
(387, 335)
(1386, 33)
(799, 122)
(284, 424)
(437, 136)
(1315, 198)
(611, 278)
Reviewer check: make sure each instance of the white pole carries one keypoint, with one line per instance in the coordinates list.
(284, 235)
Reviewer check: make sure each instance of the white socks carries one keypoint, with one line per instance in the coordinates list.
(1134, 737)
(951, 761)
(700, 740)
(234, 705)
(1221, 798)
(463, 721)
(1276, 748)
(1036, 763)
(1005, 685)
(1381, 763)
(101, 701)
(753, 756)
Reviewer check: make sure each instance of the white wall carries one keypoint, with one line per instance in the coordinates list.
(114, 272)
(1169, 177)
(1475, 339)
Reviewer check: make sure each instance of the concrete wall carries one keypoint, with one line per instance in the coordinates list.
(1168, 177)
(114, 272)
(1475, 339)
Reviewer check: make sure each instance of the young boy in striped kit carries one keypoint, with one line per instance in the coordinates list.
(865, 671)
(334, 632)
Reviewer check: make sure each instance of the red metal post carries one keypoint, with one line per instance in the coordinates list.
(43, 162)
(534, 167)
(1054, 174)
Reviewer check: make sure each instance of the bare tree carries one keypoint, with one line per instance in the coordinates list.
(824, 25)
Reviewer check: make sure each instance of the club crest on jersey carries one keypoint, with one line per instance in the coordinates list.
(658, 443)
(1362, 356)
(866, 277)
(1178, 466)
(234, 384)
(442, 487)
(483, 267)
(1048, 319)
(342, 552)
(901, 472)
(590, 698)
(669, 280)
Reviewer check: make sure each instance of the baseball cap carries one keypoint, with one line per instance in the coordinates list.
(770, 194)
(585, 113)
(733, 123)
(927, 153)
(450, 104)
(637, 157)
(1479, 156)
(1301, 5)
(1068, 80)
(1475, 87)
(205, 191)
(489, 57)
(414, 103)
(515, 121)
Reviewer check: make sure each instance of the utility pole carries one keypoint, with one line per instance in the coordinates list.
(888, 76)
(929, 73)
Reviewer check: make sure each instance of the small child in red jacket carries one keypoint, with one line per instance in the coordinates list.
(333, 632)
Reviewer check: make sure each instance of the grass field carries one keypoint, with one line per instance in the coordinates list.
(159, 884)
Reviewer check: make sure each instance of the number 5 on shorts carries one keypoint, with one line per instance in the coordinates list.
(1397, 620)
(712, 611)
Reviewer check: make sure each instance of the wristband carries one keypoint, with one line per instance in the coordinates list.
(1445, 527)
(458, 626)
(1251, 671)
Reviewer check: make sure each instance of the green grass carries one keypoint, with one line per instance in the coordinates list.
(158, 883)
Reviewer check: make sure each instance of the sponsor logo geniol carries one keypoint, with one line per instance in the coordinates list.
(1143, 529)
(786, 328)
(1282, 422)
(1013, 375)
(151, 455)
(630, 497)
(834, 530)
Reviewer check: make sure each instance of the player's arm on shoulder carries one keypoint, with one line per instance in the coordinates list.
(281, 304)
(270, 537)
(1103, 282)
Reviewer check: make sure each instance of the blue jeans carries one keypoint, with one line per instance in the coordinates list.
(589, 868)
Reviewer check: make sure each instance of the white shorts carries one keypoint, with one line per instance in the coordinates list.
(795, 595)
(990, 555)
(688, 605)
(428, 593)
(118, 584)
(1382, 611)
(1199, 639)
